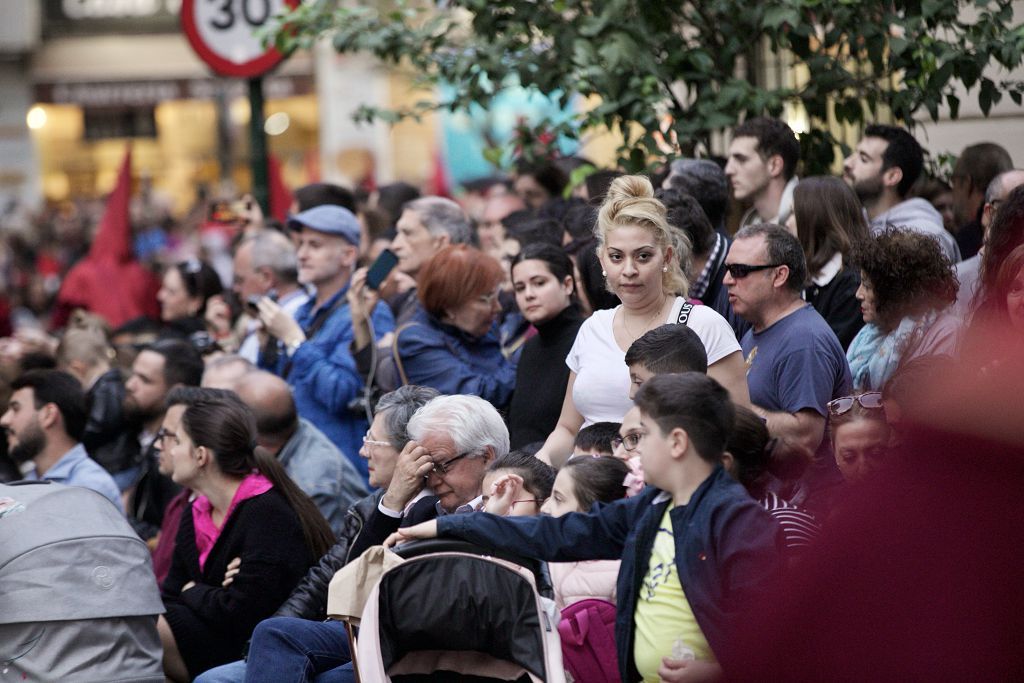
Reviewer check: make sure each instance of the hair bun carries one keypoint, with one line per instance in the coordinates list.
(630, 187)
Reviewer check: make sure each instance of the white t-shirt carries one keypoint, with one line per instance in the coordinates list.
(601, 391)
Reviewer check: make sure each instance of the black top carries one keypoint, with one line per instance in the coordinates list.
(837, 303)
(211, 624)
(108, 438)
(541, 377)
(970, 237)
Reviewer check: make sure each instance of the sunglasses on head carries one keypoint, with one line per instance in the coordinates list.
(871, 400)
(738, 271)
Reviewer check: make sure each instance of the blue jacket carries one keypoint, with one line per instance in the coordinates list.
(323, 374)
(446, 358)
(728, 557)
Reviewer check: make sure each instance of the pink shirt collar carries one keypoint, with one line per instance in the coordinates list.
(207, 532)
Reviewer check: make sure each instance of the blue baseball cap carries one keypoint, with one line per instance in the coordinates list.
(330, 219)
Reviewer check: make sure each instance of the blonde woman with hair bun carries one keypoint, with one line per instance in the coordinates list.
(641, 257)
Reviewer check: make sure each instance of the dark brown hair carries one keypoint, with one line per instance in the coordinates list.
(829, 219)
(908, 273)
(597, 480)
(758, 457)
(220, 421)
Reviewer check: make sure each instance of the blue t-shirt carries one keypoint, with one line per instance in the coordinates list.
(796, 364)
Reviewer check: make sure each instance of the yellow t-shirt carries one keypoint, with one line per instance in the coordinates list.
(663, 613)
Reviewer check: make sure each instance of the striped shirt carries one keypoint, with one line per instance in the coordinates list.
(799, 528)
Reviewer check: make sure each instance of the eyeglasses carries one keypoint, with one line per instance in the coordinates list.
(577, 456)
(738, 271)
(871, 400)
(489, 299)
(629, 441)
(165, 434)
(443, 468)
(372, 442)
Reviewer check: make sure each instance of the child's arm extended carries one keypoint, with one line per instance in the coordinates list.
(595, 535)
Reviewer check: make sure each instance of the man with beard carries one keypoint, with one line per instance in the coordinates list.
(157, 369)
(881, 170)
(44, 423)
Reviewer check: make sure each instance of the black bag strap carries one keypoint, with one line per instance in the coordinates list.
(684, 313)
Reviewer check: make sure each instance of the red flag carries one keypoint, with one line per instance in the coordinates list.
(109, 281)
(280, 196)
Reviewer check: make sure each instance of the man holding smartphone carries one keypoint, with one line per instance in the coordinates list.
(426, 226)
(316, 362)
(265, 264)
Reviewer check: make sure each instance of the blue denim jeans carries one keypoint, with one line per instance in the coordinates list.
(226, 673)
(289, 650)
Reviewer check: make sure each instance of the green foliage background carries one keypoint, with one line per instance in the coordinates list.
(699, 62)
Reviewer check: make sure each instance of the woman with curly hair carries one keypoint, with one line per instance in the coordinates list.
(907, 284)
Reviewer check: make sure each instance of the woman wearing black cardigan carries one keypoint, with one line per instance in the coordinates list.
(247, 508)
(545, 293)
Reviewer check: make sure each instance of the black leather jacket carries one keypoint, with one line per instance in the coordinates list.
(309, 599)
(108, 438)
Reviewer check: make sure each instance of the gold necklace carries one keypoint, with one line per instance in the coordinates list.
(625, 326)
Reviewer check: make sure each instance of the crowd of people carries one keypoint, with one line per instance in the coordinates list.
(667, 387)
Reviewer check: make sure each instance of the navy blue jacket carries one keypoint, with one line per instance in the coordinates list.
(728, 556)
(446, 358)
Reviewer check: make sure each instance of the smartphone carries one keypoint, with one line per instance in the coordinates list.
(381, 268)
(252, 303)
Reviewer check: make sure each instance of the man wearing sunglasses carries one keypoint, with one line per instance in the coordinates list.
(795, 364)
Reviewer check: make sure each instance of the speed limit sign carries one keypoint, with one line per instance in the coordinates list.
(222, 32)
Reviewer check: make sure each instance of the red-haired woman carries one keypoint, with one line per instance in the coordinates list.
(450, 343)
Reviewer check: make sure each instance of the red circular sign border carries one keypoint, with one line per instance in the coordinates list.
(254, 67)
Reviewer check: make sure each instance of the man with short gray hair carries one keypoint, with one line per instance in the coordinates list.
(426, 226)
(265, 265)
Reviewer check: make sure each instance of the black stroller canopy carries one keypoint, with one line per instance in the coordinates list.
(460, 603)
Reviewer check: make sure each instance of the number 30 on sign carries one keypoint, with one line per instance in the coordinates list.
(222, 32)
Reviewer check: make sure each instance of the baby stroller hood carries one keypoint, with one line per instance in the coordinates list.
(77, 587)
(457, 613)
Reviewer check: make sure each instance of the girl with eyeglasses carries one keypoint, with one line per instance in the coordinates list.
(517, 484)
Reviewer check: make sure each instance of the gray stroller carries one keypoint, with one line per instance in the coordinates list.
(78, 599)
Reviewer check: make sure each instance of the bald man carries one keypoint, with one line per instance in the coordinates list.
(309, 457)
(223, 372)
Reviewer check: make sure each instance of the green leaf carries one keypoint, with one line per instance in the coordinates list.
(775, 17)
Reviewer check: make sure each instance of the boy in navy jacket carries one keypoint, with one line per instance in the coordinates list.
(696, 550)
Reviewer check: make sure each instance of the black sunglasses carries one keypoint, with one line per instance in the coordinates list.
(741, 270)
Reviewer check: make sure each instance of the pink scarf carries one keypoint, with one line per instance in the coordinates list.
(207, 532)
